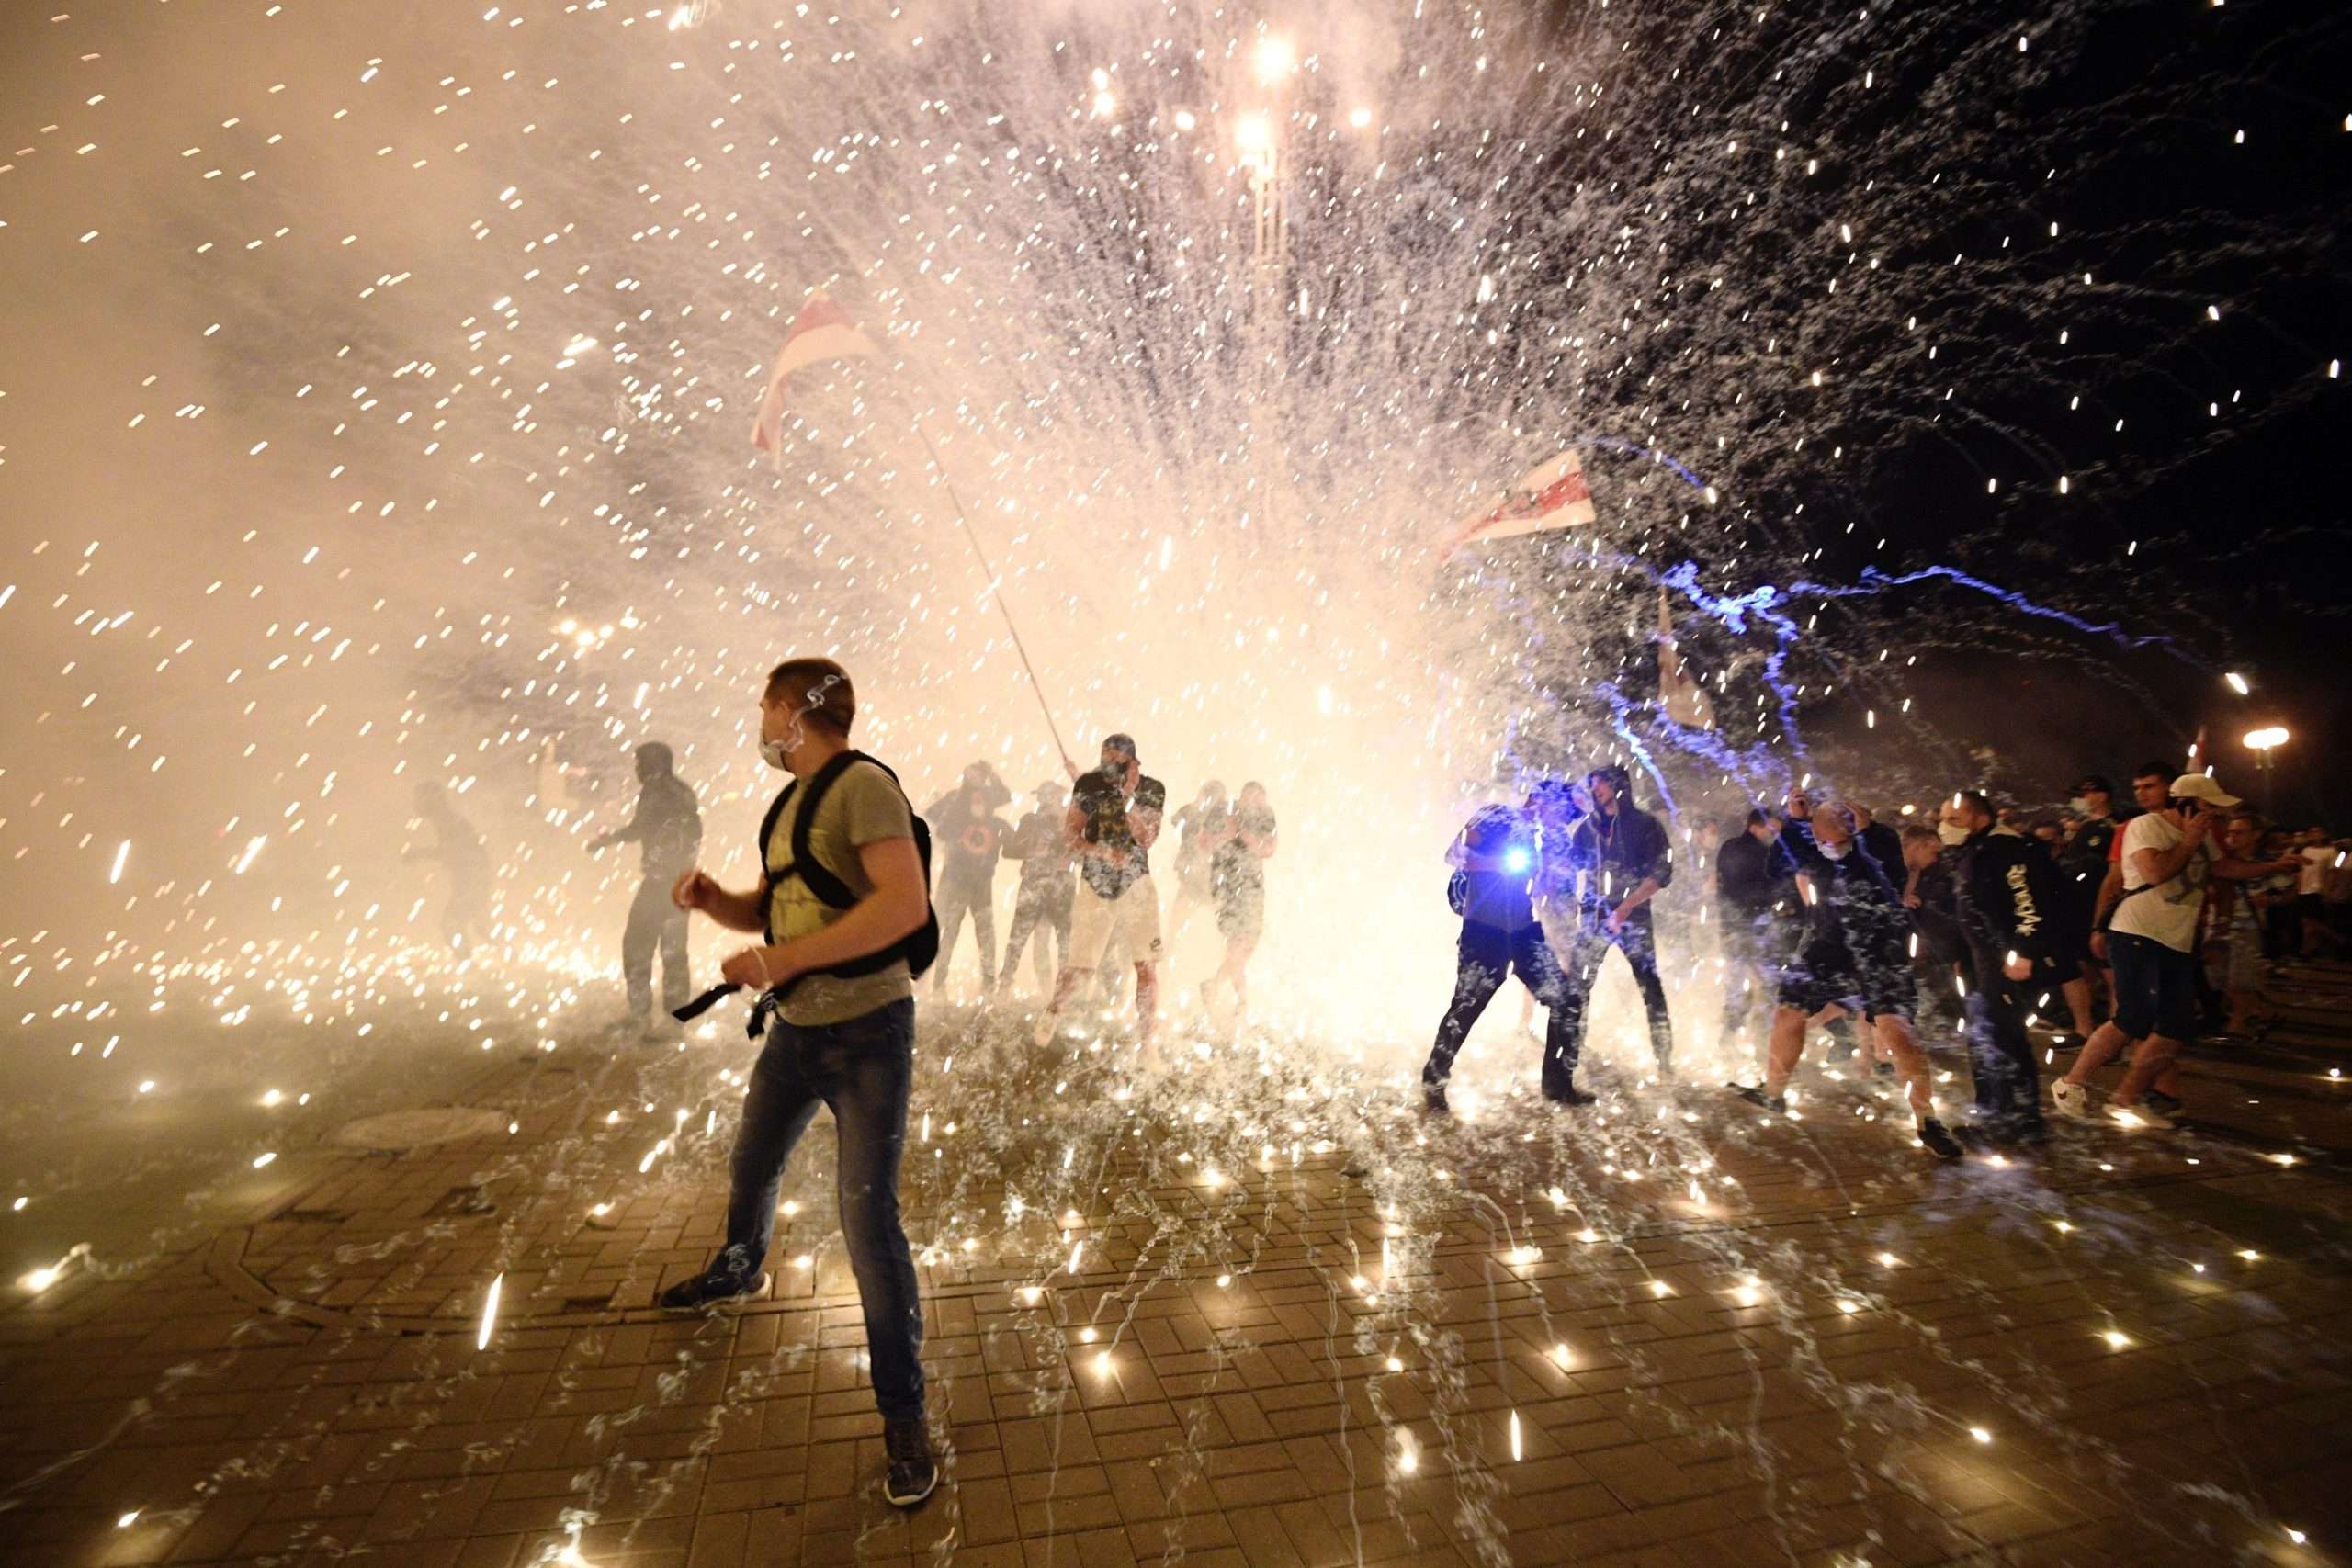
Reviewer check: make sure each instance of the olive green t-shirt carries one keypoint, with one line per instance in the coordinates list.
(862, 807)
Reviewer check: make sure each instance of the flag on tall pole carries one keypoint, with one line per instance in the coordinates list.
(822, 330)
(1550, 496)
(1678, 690)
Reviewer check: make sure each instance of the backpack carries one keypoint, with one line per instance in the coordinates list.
(918, 947)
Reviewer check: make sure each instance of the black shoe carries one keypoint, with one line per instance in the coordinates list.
(1936, 1139)
(707, 1290)
(1754, 1094)
(1433, 1099)
(1883, 1070)
(2156, 1100)
(912, 1473)
(1567, 1094)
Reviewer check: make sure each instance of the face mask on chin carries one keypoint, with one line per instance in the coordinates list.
(2079, 806)
(1952, 834)
(1836, 851)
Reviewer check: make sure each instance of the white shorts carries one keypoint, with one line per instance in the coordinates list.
(1095, 920)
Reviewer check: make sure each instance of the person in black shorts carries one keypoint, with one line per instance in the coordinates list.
(1244, 842)
(1854, 962)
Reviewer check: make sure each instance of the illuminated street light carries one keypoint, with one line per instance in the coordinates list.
(2237, 682)
(2262, 743)
(1253, 135)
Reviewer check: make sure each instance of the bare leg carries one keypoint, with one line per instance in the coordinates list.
(1786, 1049)
(1066, 986)
(1896, 1044)
(1147, 1002)
(1235, 969)
(2152, 1060)
(2078, 1003)
(2097, 1051)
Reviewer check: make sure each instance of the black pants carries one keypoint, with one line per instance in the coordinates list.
(654, 922)
(1637, 939)
(2007, 1080)
(1485, 956)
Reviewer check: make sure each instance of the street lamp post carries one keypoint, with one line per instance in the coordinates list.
(2262, 743)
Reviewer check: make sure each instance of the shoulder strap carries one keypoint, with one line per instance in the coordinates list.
(768, 879)
(813, 873)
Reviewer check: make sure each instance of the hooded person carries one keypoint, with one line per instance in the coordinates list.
(965, 823)
(2005, 892)
(666, 827)
(1619, 859)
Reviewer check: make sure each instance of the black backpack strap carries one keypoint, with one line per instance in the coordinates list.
(813, 873)
(767, 879)
(828, 888)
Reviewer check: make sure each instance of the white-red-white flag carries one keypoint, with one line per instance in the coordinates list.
(1678, 690)
(822, 330)
(1552, 496)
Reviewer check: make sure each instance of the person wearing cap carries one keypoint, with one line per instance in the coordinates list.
(2168, 856)
(1043, 898)
(1112, 821)
(667, 828)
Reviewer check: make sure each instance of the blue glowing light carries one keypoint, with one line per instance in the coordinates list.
(1517, 858)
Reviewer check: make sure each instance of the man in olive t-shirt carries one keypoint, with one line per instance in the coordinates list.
(846, 1041)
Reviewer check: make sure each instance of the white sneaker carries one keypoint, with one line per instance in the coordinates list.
(2071, 1101)
(2142, 1115)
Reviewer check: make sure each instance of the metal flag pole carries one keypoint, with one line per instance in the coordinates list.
(995, 592)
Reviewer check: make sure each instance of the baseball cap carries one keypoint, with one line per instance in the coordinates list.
(2093, 782)
(1124, 744)
(2197, 786)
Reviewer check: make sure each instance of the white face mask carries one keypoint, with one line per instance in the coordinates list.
(1836, 851)
(1951, 833)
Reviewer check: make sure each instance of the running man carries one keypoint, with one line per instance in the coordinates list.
(666, 828)
(1854, 963)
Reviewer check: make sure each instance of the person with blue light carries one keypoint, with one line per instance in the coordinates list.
(1619, 859)
(1498, 862)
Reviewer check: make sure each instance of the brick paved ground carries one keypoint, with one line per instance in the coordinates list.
(1263, 1315)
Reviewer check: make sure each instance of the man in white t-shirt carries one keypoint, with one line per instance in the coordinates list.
(2166, 859)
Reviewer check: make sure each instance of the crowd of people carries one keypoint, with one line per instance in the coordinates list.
(1988, 922)
(2170, 919)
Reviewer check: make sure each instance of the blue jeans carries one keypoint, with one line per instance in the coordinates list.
(864, 1070)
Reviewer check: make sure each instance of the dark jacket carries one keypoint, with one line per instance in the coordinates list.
(1754, 879)
(667, 824)
(972, 842)
(1042, 850)
(2005, 889)
(1610, 856)
(1854, 921)
(1937, 920)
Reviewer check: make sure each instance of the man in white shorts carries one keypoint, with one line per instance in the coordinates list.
(1113, 819)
